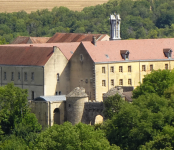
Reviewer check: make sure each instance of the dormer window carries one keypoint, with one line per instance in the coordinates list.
(124, 54)
(168, 52)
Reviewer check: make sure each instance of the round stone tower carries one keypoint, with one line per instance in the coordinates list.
(114, 91)
(75, 102)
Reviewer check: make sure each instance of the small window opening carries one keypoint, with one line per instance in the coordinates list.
(151, 67)
(32, 76)
(129, 82)
(58, 77)
(81, 57)
(19, 76)
(12, 76)
(5, 76)
(143, 68)
(103, 83)
(166, 66)
(120, 69)
(103, 70)
(112, 69)
(112, 82)
(121, 82)
(32, 95)
(129, 69)
(25, 76)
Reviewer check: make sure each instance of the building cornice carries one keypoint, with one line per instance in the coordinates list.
(129, 61)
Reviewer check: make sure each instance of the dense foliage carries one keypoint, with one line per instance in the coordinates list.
(156, 82)
(147, 122)
(69, 137)
(112, 105)
(140, 19)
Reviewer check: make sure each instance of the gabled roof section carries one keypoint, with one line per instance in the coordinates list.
(30, 40)
(141, 49)
(28, 56)
(66, 48)
(74, 37)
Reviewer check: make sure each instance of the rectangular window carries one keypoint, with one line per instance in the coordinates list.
(129, 69)
(151, 67)
(12, 76)
(112, 82)
(166, 66)
(121, 82)
(120, 69)
(143, 68)
(25, 76)
(5, 76)
(129, 82)
(32, 76)
(58, 77)
(103, 83)
(112, 69)
(103, 69)
(32, 95)
(19, 76)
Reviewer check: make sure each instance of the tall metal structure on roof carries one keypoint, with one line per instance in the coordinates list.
(115, 22)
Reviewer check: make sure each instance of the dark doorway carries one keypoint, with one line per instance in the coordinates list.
(57, 116)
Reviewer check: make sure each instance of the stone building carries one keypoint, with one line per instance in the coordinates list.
(38, 68)
(102, 65)
(74, 107)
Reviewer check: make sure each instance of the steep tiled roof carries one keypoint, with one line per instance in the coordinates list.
(30, 56)
(74, 37)
(25, 40)
(142, 49)
(66, 48)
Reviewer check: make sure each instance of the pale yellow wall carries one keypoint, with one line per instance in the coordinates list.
(106, 38)
(136, 74)
(81, 72)
(56, 64)
(35, 85)
(44, 112)
(53, 106)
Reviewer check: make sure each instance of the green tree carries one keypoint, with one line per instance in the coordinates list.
(140, 122)
(112, 105)
(78, 137)
(156, 82)
(15, 111)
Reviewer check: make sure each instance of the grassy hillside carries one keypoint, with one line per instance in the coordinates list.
(33, 5)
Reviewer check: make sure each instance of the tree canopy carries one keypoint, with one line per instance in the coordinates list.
(155, 82)
(140, 19)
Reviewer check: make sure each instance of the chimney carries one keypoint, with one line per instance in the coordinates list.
(54, 48)
(115, 22)
(94, 41)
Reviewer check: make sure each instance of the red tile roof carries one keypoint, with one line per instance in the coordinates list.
(141, 49)
(66, 48)
(26, 40)
(74, 37)
(30, 56)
